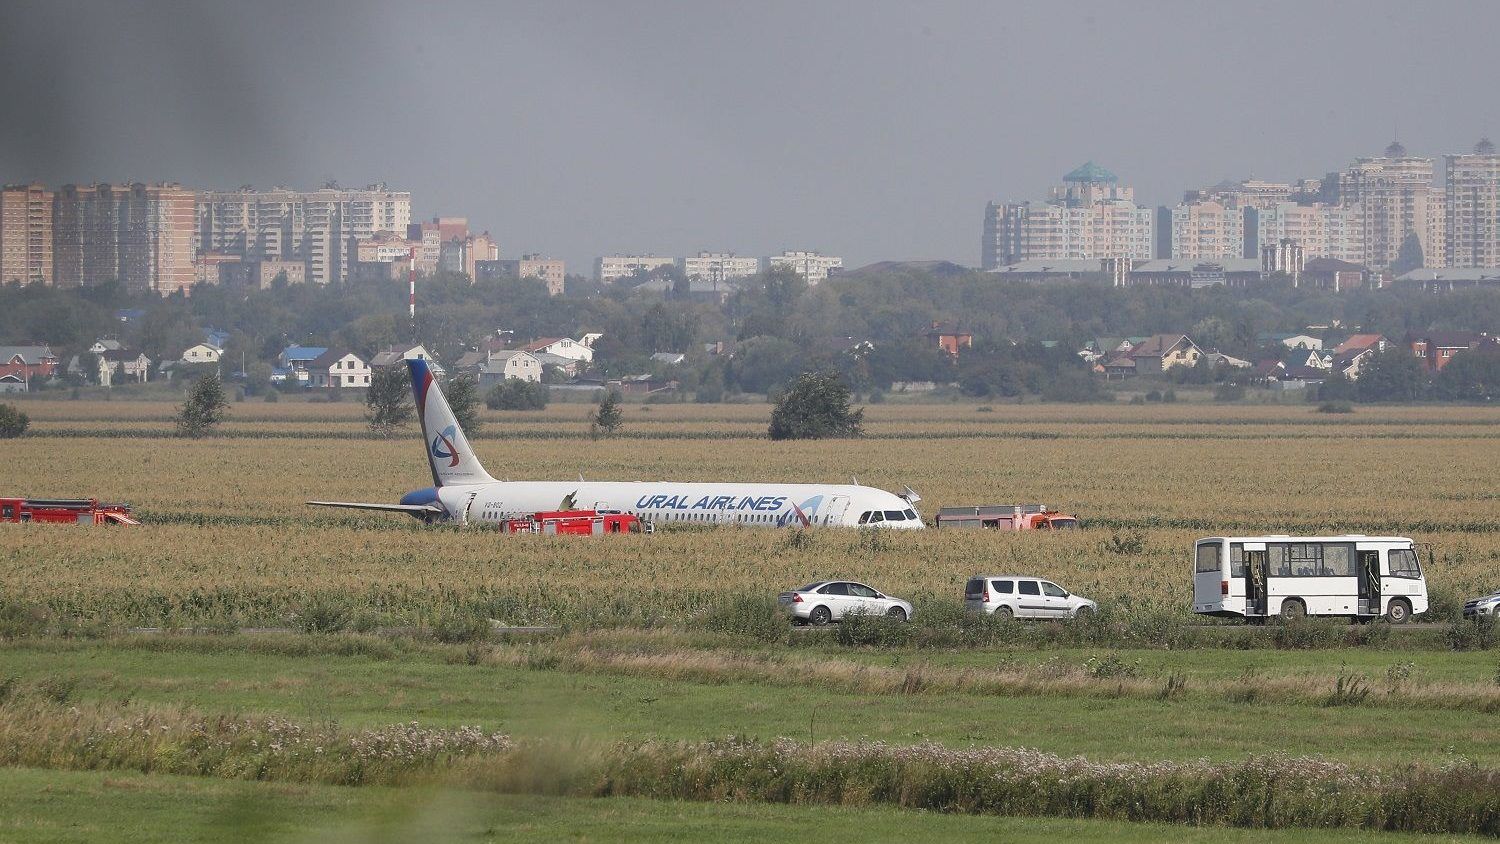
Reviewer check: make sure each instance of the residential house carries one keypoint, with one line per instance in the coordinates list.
(1175, 272)
(1161, 352)
(1436, 348)
(509, 363)
(124, 365)
(1363, 341)
(106, 344)
(12, 383)
(567, 366)
(338, 368)
(1311, 358)
(562, 347)
(1350, 362)
(949, 337)
(1291, 341)
(28, 362)
(1103, 347)
(639, 385)
(713, 291)
(215, 337)
(1300, 377)
(1217, 359)
(99, 374)
(669, 358)
(201, 353)
(397, 354)
(292, 363)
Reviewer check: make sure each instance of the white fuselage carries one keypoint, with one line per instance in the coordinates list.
(663, 502)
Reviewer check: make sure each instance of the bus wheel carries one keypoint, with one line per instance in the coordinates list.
(1399, 612)
(1293, 609)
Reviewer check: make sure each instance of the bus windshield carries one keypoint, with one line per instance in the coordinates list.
(1403, 563)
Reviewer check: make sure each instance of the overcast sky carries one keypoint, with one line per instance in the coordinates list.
(873, 130)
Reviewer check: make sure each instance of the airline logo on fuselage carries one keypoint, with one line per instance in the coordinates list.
(764, 503)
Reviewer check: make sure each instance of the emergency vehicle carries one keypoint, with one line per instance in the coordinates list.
(71, 511)
(1011, 517)
(575, 522)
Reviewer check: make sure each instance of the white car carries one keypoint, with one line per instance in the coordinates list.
(1486, 606)
(831, 600)
(1019, 596)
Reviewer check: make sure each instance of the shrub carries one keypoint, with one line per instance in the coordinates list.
(515, 394)
(13, 423)
(388, 401)
(1229, 392)
(755, 616)
(869, 630)
(204, 409)
(458, 627)
(816, 406)
(323, 615)
(272, 396)
(1471, 635)
(1336, 407)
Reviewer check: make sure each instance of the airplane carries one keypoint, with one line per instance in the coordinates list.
(464, 493)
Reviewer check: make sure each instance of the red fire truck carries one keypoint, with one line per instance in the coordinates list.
(1005, 517)
(575, 522)
(70, 511)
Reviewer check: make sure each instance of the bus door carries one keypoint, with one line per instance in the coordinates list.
(1369, 583)
(1256, 566)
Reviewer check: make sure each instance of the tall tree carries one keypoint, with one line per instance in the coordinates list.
(204, 409)
(1392, 375)
(816, 407)
(463, 398)
(607, 418)
(388, 403)
(1409, 257)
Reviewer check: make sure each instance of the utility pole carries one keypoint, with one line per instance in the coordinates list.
(411, 283)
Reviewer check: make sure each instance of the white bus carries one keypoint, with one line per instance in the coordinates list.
(1255, 577)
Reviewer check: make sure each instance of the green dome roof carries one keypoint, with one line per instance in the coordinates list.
(1090, 172)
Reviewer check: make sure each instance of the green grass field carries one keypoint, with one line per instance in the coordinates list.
(228, 544)
(50, 807)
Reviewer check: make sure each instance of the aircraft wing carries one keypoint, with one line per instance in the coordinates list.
(413, 509)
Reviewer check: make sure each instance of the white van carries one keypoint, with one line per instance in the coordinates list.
(1020, 596)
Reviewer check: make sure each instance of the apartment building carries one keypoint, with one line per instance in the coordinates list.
(314, 227)
(1248, 193)
(1203, 230)
(1472, 205)
(612, 268)
(1392, 196)
(26, 234)
(1090, 216)
(1322, 231)
(814, 267)
(550, 271)
(141, 235)
(718, 266)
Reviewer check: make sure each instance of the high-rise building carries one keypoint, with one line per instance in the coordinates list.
(314, 227)
(1472, 195)
(1392, 197)
(1091, 216)
(26, 234)
(430, 237)
(1249, 193)
(812, 266)
(718, 266)
(144, 236)
(1206, 229)
(612, 268)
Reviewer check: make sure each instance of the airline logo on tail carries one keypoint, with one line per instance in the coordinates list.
(442, 446)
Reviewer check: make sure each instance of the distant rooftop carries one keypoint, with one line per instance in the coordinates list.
(1090, 172)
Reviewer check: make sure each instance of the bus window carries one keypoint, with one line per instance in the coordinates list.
(1208, 557)
(1338, 560)
(1306, 558)
(1278, 563)
(1236, 559)
(1403, 563)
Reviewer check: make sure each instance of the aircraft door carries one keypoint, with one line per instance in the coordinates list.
(837, 505)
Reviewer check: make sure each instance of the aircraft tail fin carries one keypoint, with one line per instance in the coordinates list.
(448, 452)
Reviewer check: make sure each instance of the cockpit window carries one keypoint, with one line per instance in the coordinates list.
(864, 518)
(910, 514)
(875, 516)
(895, 516)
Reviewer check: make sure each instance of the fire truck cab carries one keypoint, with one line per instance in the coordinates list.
(70, 511)
(575, 522)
